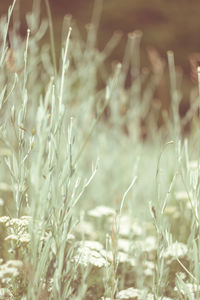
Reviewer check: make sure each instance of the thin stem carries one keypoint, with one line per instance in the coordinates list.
(64, 66)
(52, 41)
(10, 10)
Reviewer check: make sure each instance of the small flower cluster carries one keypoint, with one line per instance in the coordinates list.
(10, 273)
(16, 232)
(88, 253)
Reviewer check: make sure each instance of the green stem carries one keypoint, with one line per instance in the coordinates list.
(53, 51)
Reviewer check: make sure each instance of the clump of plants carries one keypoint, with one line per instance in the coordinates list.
(99, 194)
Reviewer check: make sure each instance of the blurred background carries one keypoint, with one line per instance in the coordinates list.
(166, 25)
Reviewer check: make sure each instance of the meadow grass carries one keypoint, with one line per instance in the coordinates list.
(99, 183)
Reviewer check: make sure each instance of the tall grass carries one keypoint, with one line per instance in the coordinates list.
(99, 185)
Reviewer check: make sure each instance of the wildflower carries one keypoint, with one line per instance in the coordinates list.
(14, 263)
(149, 268)
(136, 229)
(11, 251)
(124, 245)
(50, 285)
(26, 218)
(130, 293)
(25, 238)
(88, 256)
(181, 275)
(148, 246)
(88, 252)
(4, 219)
(125, 226)
(86, 229)
(5, 293)
(70, 237)
(19, 222)
(171, 211)
(6, 271)
(192, 289)
(101, 211)
(182, 196)
(176, 250)
(121, 256)
(93, 245)
(12, 237)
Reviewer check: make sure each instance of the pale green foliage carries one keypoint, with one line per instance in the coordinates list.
(91, 207)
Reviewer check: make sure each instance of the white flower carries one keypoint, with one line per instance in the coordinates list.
(125, 226)
(182, 196)
(137, 229)
(88, 252)
(86, 228)
(8, 272)
(70, 237)
(148, 245)
(121, 257)
(25, 238)
(12, 237)
(130, 293)
(88, 257)
(93, 245)
(101, 211)
(192, 288)
(4, 219)
(149, 268)
(175, 250)
(5, 293)
(14, 263)
(26, 218)
(124, 245)
(22, 222)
